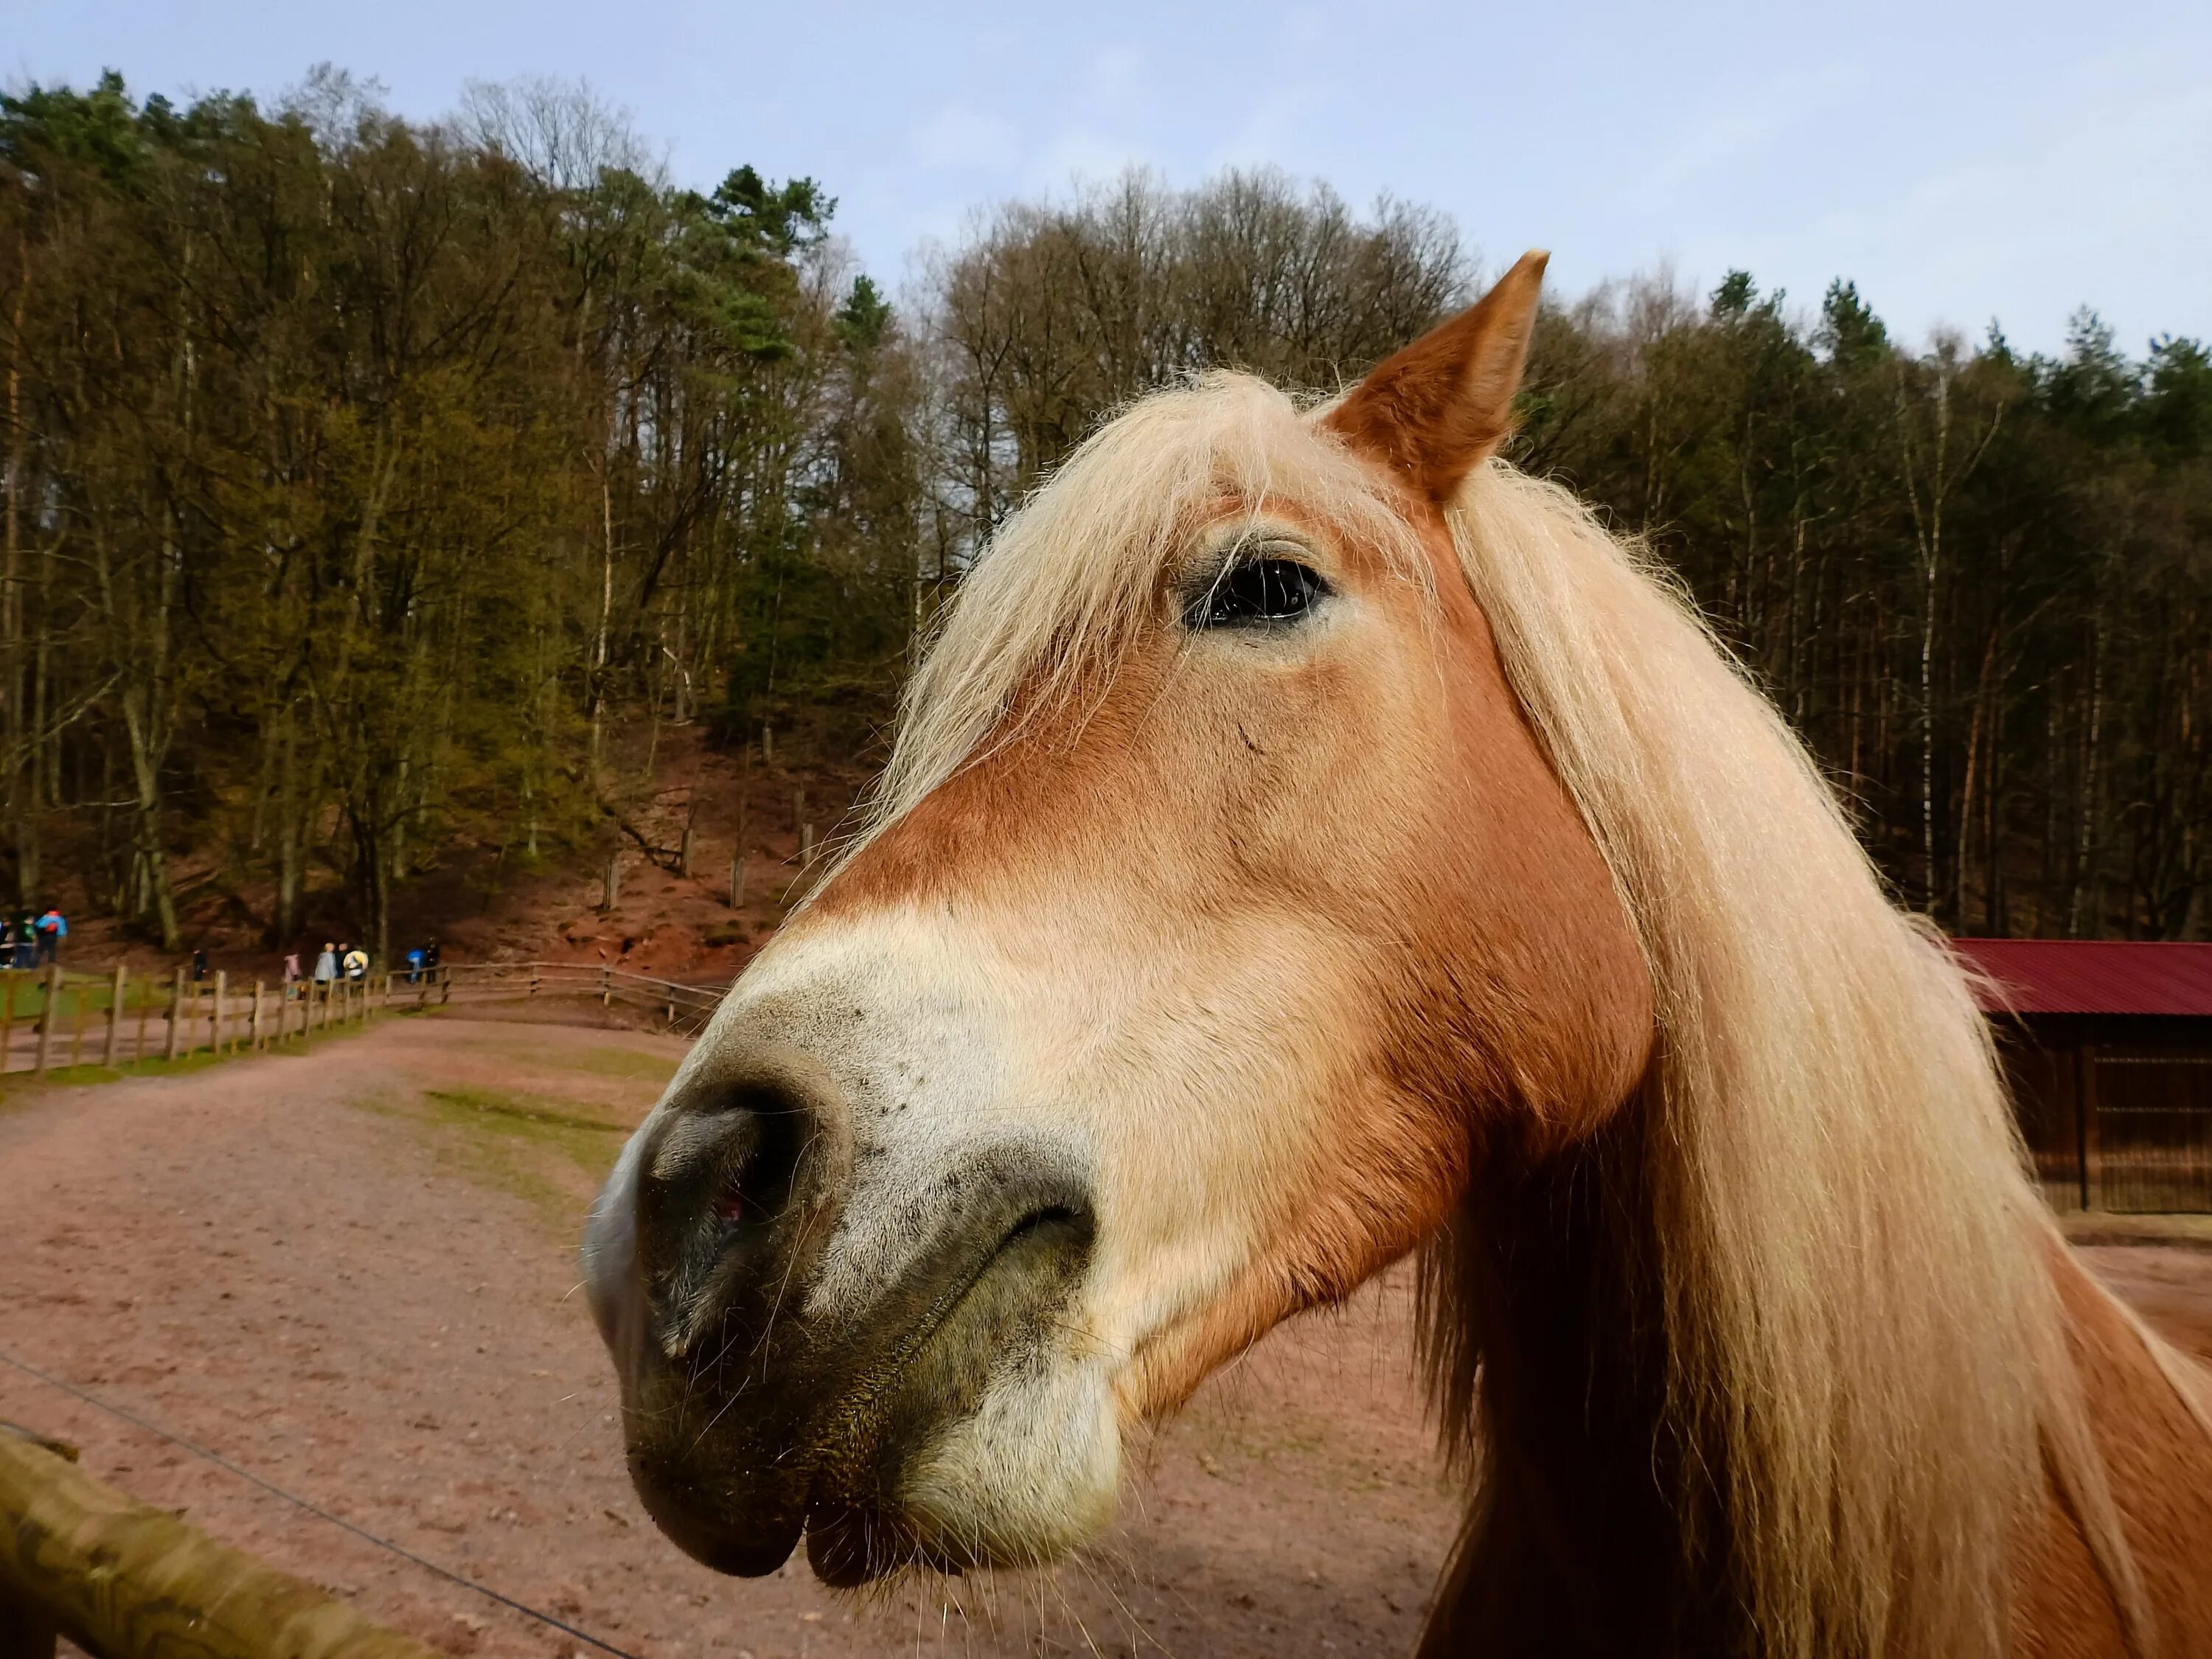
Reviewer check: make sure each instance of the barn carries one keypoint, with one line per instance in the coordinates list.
(2108, 1047)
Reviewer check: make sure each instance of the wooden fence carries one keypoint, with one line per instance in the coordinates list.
(52, 1017)
(683, 1008)
(124, 1580)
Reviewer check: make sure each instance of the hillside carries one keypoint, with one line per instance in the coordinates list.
(482, 907)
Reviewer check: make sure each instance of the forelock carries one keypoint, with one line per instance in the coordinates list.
(1067, 580)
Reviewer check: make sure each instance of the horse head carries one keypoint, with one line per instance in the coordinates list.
(1221, 901)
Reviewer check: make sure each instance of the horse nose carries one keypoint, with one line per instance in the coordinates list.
(730, 1180)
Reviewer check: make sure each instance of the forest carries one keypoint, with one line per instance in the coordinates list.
(377, 492)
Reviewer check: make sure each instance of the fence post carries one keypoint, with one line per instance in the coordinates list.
(145, 1013)
(47, 1011)
(8, 1020)
(606, 986)
(176, 1016)
(215, 1011)
(114, 1017)
(253, 1039)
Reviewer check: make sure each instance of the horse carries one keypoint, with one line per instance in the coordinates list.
(1310, 840)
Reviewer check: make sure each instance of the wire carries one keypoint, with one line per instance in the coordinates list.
(317, 1511)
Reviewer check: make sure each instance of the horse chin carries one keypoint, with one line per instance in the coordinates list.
(1027, 1478)
(975, 1501)
(1021, 1469)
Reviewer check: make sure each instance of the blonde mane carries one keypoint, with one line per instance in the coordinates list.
(1831, 1140)
(1833, 1134)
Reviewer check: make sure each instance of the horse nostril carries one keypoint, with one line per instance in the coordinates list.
(759, 1186)
(727, 1182)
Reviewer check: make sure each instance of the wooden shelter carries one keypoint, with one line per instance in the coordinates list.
(2108, 1048)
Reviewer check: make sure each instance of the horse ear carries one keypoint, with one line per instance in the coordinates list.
(1436, 409)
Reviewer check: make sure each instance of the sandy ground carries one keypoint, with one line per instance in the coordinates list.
(352, 1272)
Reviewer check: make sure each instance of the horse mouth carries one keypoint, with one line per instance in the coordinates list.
(820, 1436)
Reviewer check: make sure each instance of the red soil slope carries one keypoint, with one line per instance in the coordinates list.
(481, 905)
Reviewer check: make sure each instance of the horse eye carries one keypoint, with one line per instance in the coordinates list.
(1259, 590)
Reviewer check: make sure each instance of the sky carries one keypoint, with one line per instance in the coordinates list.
(1962, 162)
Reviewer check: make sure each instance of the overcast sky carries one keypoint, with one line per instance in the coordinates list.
(1961, 159)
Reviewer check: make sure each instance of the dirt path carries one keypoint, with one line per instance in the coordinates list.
(352, 1272)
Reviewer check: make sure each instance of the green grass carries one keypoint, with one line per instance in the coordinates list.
(544, 1152)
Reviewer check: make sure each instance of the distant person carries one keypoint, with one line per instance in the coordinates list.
(53, 929)
(326, 965)
(430, 960)
(415, 958)
(26, 940)
(291, 974)
(199, 965)
(355, 963)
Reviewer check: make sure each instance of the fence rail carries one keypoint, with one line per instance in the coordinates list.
(53, 1018)
(124, 1580)
(685, 1008)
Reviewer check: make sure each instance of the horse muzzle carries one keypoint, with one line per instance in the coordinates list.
(804, 1331)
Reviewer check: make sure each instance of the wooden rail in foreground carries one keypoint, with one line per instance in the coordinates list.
(124, 1580)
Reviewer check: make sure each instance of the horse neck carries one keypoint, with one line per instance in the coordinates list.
(1594, 1527)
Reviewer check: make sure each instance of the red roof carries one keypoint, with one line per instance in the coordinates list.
(2091, 976)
